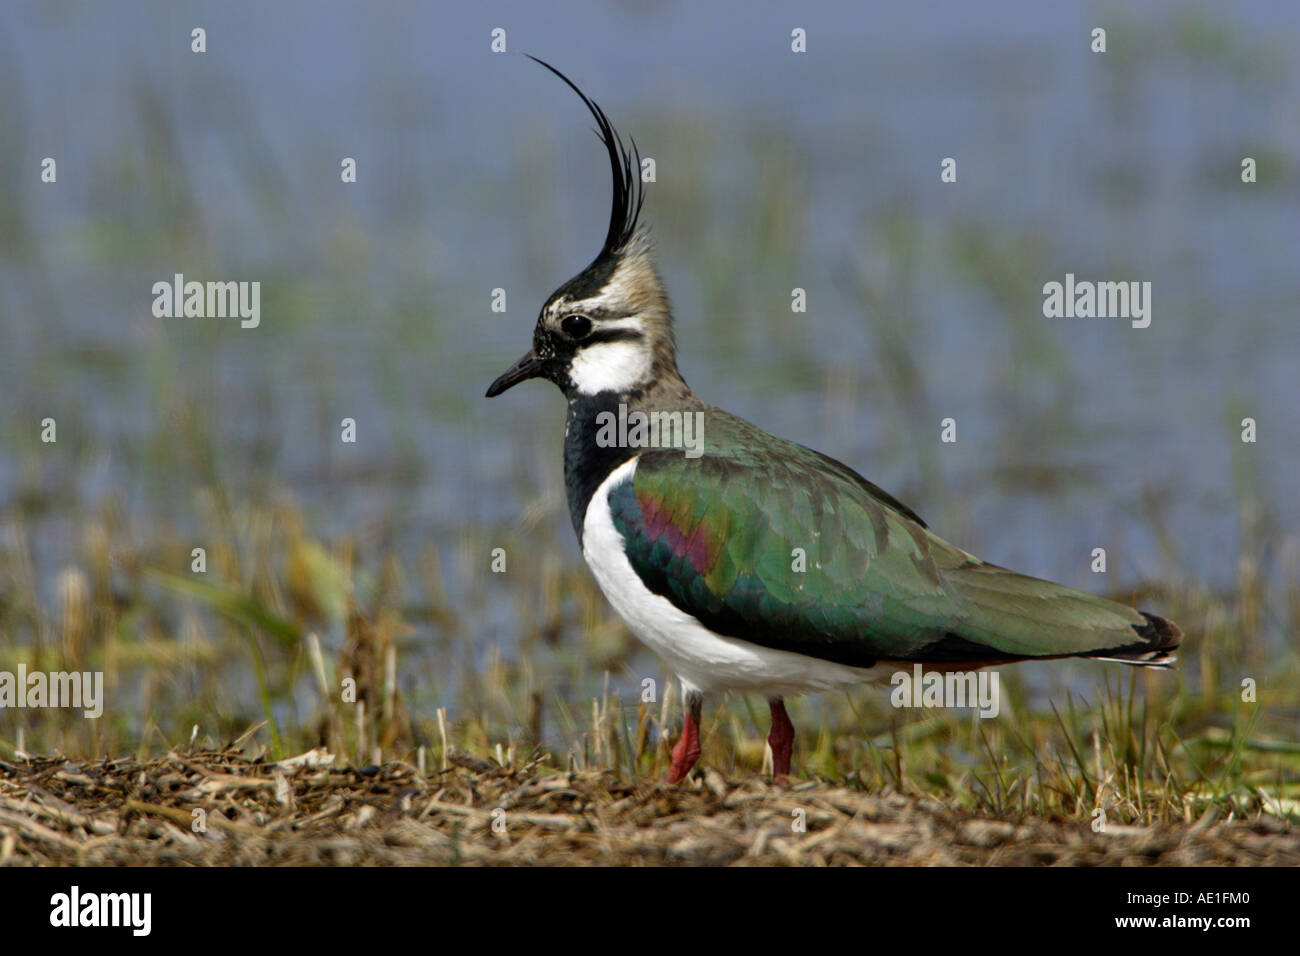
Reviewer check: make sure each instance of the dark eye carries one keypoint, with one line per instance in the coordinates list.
(576, 326)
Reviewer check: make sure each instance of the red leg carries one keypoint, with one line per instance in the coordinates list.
(687, 750)
(781, 740)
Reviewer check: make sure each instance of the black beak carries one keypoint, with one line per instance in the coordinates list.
(530, 366)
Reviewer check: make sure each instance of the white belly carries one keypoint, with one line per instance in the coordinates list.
(701, 658)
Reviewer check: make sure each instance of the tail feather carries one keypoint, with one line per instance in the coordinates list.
(1163, 637)
(1013, 616)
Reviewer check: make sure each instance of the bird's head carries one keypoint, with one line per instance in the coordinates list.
(609, 328)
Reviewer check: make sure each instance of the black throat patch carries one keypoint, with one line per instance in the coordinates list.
(586, 463)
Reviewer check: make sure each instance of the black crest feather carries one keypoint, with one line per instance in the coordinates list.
(625, 168)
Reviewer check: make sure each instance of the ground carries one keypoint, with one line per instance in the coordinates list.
(219, 808)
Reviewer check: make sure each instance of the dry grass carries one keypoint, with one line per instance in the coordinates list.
(305, 811)
(555, 684)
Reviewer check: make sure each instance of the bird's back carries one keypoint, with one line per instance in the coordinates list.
(770, 542)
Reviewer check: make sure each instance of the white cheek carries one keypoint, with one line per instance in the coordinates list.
(610, 366)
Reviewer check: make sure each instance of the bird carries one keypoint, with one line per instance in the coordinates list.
(691, 537)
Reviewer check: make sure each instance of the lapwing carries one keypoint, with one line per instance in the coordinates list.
(750, 563)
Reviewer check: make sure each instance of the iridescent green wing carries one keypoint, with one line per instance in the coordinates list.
(767, 541)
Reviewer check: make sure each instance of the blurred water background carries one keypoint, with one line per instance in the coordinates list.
(479, 171)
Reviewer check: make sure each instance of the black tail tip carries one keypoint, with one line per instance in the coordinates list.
(1160, 637)
(1159, 632)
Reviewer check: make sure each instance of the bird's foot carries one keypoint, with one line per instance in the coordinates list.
(781, 740)
(686, 752)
